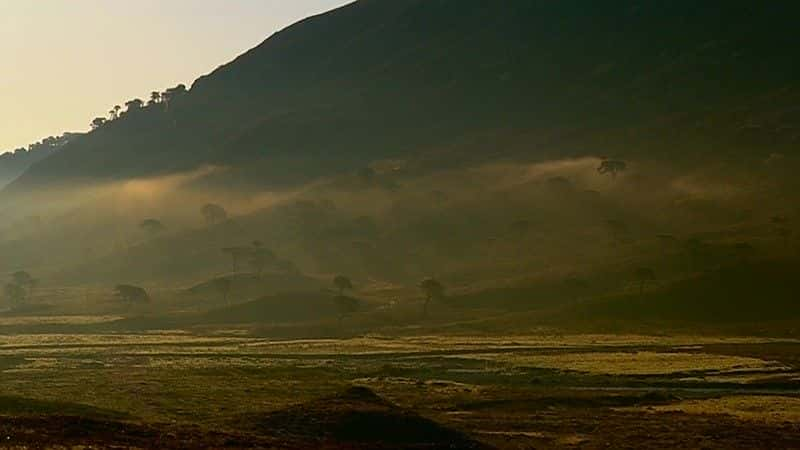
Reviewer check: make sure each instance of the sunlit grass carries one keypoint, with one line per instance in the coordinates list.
(761, 408)
(634, 363)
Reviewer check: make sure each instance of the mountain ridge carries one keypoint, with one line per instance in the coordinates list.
(377, 79)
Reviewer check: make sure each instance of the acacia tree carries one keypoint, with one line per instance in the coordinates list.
(155, 98)
(14, 293)
(612, 166)
(131, 294)
(236, 254)
(342, 283)
(152, 226)
(433, 290)
(133, 105)
(223, 285)
(213, 213)
(260, 257)
(98, 122)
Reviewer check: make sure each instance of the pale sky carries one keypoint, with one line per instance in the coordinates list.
(64, 62)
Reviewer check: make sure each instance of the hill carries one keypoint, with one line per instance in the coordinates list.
(14, 164)
(459, 81)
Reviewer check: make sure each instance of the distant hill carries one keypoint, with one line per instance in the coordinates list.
(758, 294)
(460, 80)
(14, 163)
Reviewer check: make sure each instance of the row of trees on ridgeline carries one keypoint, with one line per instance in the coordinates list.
(137, 104)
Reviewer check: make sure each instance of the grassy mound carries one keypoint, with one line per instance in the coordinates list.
(360, 417)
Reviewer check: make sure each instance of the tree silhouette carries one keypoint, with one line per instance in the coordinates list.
(433, 290)
(98, 122)
(113, 113)
(171, 94)
(213, 213)
(260, 257)
(236, 254)
(223, 285)
(152, 226)
(131, 294)
(133, 105)
(14, 293)
(342, 283)
(155, 98)
(612, 166)
(643, 276)
(20, 287)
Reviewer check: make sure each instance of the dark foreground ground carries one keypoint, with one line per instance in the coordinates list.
(590, 392)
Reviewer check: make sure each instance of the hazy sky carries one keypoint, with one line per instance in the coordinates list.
(63, 62)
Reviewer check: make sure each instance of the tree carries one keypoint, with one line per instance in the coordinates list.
(236, 253)
(155, 97)
(172, 93)
(213, 213)
(98, 122)
(113, 113)
(342, 283)
(131, 294)
(643, 276)
(25, 281)
(433, 290)
(152, 226)
(14, 293)
(223, 285)
(133, 105)
(612, 166)
(260, 257)
(20, 287)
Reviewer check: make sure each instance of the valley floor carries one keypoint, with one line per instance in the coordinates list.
(171, 389)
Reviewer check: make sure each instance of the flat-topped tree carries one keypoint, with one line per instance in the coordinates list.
(152, 226)
(342, 283)
(223, 285)
(260, 257)
(213, 213)
(237, 254)
(14, 294)
(612, 167)
(433, 290)
(133, 105)
(131, 294)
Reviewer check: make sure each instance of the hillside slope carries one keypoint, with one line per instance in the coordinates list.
(382, 78)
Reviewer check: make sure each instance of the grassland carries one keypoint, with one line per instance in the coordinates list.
(532, 391)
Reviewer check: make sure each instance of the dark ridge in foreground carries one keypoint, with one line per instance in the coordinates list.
(360, 419)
